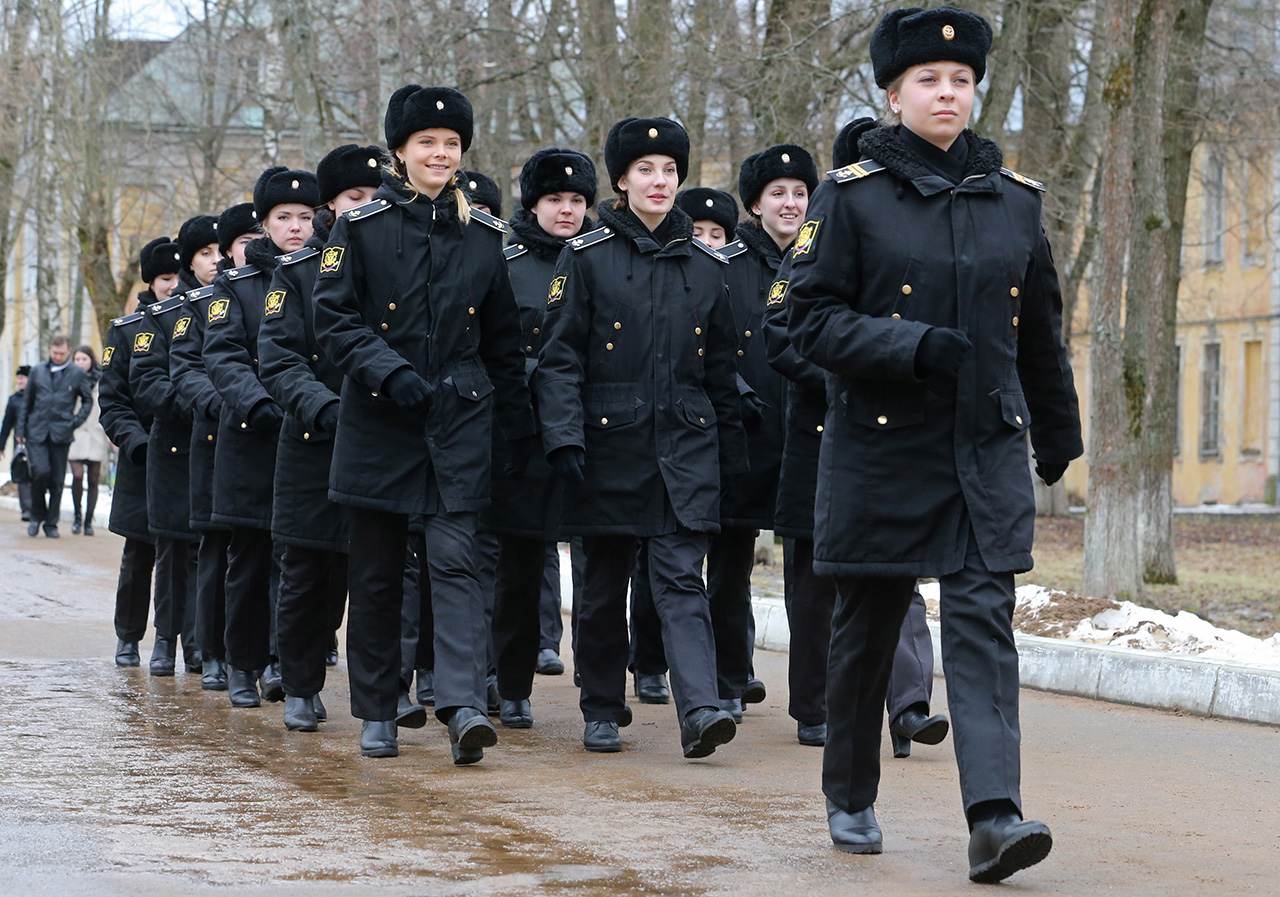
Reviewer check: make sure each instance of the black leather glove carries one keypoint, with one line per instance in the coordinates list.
(408, 390)
(327, 419)
(521, 453)
(138, 455)
(570, 463)
(752, 410)
(939, 355)
(265, 417)
(1050, 472)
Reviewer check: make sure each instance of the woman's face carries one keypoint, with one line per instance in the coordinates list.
(651, 184)
(350, 198)
(238, 246)
(163, 286)
(561, 214)
(430, 159)
(781, 208)
(934, 101)
(204, 264)
(289, 225)
(83, 361)
(710, 233)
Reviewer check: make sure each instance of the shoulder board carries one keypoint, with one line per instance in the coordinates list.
(496, 223)
(731, 250)
(591, 239)
(199, 293)
(515, 250)
(127, 319)
(1021, 179)
(714, 253)
(302, 254)
(364, 211)
(854, 171)
(243, 272)
(159, 308)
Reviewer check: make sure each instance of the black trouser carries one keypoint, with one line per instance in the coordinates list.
(133, 589)
(729, 561)
(911, 678)
(417, 627)
(577, 572)
(376, 605)
(249, 563)
(176, 574)
(24, 499)
(680, 598)
(211, 594)
(646, 650)
(522, 565)
(48, 462)
(487, 548)
(312, 582)
(810, 601)
(551, 603)
(980, 662)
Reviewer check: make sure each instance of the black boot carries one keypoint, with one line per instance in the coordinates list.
(470, 732)
(1003, 844)
(272, 684)
(813, 736)
(163, 656)
(601, 736)
(495, 699)
(913, 725)
(651, 688)
(75, 525)
(408, 714)
(378, 738)
(516, 714)
(300, 715)
(732, 706)
(427, 688)
(243, 688)
(854, 832)
(214, 677)
(704, 730)
(127, 654)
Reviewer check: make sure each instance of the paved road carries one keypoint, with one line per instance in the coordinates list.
(114, 783)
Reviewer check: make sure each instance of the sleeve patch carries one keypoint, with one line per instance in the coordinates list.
(557, 291)
(106, 356)
(142, 342)
(806, 239)
(778, 292)
(180, 328)
(218, 310)
(275, 303)
(331, 260)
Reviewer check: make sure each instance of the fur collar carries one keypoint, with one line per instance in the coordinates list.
(186, 281)
(675, 227)
(441, 209)
(758, 241)
(261, 253)
(883, 145)
(526, 230)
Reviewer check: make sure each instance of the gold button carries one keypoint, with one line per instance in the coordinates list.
(243, 425)
(603, 421)
(1013, 291)
(882, 420)
(471, 310)
(609, 346)
(475, 394)
(617, 325)
(209, 437)
(536, 331)
(1018, 418)
(384, 327)
(698, 331)
(306, 435)
(702, 420)
(700, 352)
(374, 394)
(1015, 320)
(748, 334)
(391, 306)
(897, 317)
(819, 428)
(740, 353)
(906, 289)
(173, 448)
(528, 348)
(315, 357)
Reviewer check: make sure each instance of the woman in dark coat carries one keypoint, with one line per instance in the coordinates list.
(306, 384)
(923, 284)
(639, 407)
(414, 305)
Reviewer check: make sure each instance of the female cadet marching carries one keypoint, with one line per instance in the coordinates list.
(302, 380)
(923, 282)
(557, 188)
(414, 304)
(639, 409)
(249, 426)
(211, 248)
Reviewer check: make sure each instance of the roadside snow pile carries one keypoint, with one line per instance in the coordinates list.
(1100, 621)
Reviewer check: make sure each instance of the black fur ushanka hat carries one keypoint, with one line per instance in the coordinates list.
(348, 166)
(785, 160)
(160, 256)
(414, 108)
(632, 138)
(481, 190)
(234, 221)
(279, 185)
(556, 170)
(845, 148)
(914, 36)
(709, 204)
(196, 233)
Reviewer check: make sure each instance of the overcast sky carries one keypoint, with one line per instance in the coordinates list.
(156, 19)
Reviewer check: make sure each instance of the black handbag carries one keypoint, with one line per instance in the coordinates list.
(19, 468)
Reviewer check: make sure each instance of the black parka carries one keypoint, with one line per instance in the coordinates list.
(888, 251)
(748, 500)
(169, 454)
(245, 459)
(404, 283)
(303, 381)
(126, 425)
(639, 369)
(195, 390)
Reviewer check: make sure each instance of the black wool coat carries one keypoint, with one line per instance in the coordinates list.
(303, 381)
(639, 368)
(883, 257)
(195, 390)
(405, 283)
(51, 412)
(748, 500)
(169, 452)
(245, 458)
(126, 425)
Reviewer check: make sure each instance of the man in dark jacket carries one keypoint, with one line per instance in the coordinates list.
(47, 419)
(10, 425)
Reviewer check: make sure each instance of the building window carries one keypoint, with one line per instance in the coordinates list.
(1215, 189)
(1254, 406)
(1210, 385)
(1257, 193)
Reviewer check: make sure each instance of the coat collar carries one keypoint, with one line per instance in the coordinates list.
(676, 229)
(525, 230)
(261, 253)
(759, 241)
(985, 159)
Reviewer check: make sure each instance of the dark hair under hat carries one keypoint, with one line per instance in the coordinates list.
(348, 166)
(233, 222)
(632, 138)
(709, 204)
(785, 160)
(844, 150)
(913, 36)
(556, 170)
(195, 234)
(160, 256)
(481, 190)
(279, 185)
(414, 108)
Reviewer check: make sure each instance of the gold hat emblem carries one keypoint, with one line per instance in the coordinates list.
(711, 203)
(471, 184)
(948, 33)
(440, 105)
(293, 184)
(568, 170)
(372, 163)
(786, 158)
(653, 132)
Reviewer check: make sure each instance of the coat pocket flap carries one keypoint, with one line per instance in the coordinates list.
(472, 385)
(698, 411)
(606, 414)
(887, 406)
(1013, 408)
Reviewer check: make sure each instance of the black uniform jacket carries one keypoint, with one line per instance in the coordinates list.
(303, 381)
(168, 458)
(754, 258)
(528, 505)
(883, 257)
(639, 369)
(126, 426)
(195, 390)
(51, 413)
(245, 460)
(805, 416)
(404, 283)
